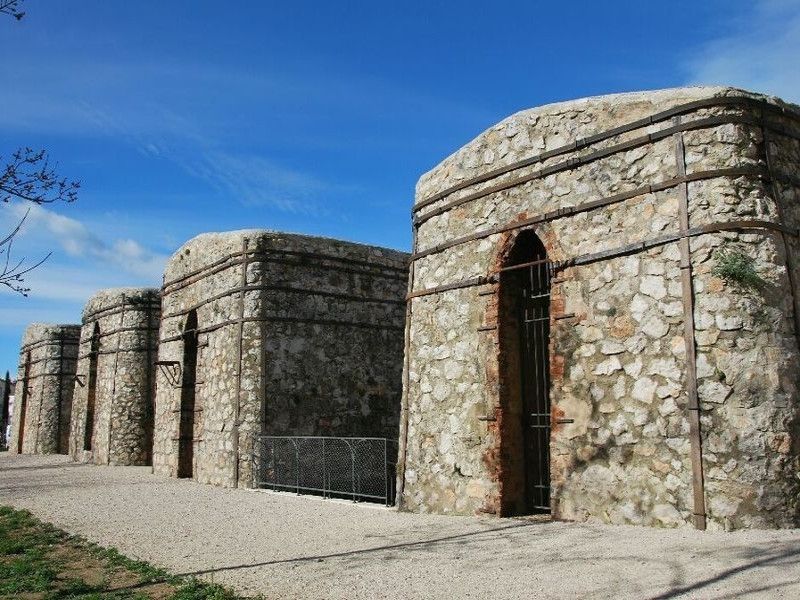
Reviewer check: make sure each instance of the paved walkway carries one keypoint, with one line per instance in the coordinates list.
(284, 546)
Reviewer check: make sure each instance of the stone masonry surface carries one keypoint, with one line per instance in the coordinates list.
(118, 349)
(43, 395)
(618, 363)
(295, 335)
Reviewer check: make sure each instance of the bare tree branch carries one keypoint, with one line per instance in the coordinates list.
(12, 274)
(27, 176)
(30, 177)
(11, 8)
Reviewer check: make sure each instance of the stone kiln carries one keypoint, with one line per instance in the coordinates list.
(43, 395)
(112, 415)
(603, 319)
(279, 334)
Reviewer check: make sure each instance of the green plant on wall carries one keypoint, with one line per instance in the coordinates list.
(737, 269)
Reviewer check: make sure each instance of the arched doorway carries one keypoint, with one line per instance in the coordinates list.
(91, 396)
(23, 403)
(525, 379)
(186, 433)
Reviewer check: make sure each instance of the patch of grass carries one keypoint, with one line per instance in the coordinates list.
(197, 590)
(147, 572)
(26, 572)
(41, 562)
(738, 269)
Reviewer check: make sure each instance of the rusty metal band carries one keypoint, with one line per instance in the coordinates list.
(40, 375)
(475, 281)
(525, 265)
(144, 306)
(608, 134)
(620, 251)
(324, 322)
(280, 288)
(752, 171)
(573, 163)
(120, 330)
(122, 350)
(235, 258)
(68, 341)
(687, 297)
(48, 358)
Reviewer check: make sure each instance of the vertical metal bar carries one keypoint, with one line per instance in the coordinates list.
(402, 451)
(23, 405)
(36, 447)
(386, 470)
(297, 466)
(114, 380)
(693, 406)
(149, 424)
(60, 399)
(352, 468)
(324, 472)
(240, 352)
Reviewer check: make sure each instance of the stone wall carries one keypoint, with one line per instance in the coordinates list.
(295, 335)
(608, 210)
(113, 400)
(43, 395)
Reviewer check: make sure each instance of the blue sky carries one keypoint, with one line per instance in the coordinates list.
(190, 116)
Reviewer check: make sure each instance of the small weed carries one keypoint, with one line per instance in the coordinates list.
(197, 590)
(738, 269)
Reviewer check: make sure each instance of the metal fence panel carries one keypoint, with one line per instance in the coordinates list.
(362, 469)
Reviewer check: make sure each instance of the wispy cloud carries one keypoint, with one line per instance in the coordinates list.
(44, 227)
(257, 181)
(760, 53)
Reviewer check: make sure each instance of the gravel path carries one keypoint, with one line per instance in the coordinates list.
(284, 546)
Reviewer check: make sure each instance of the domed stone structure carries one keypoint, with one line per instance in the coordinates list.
(112, 415)
(43, 395)
(267, 333)
(604, 315)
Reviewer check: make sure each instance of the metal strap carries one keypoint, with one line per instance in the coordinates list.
(561, 213)
(593, 139)
(622, 251)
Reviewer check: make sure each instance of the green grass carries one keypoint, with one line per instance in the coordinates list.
(39, 562)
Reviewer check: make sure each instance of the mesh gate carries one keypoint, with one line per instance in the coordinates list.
(361, 469)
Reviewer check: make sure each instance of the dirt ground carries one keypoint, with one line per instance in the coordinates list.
(285, 546)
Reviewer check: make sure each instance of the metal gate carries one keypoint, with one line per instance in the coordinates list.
(534, 322)
(360, 469)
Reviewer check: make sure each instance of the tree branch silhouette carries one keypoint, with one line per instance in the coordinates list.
(28, 176)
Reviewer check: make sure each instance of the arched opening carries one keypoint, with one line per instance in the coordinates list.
(91, 396)
(524, 322)
(23, 402)
(186, 433)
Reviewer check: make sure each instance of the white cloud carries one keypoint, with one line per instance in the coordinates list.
(44, 227)
(761, 52)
